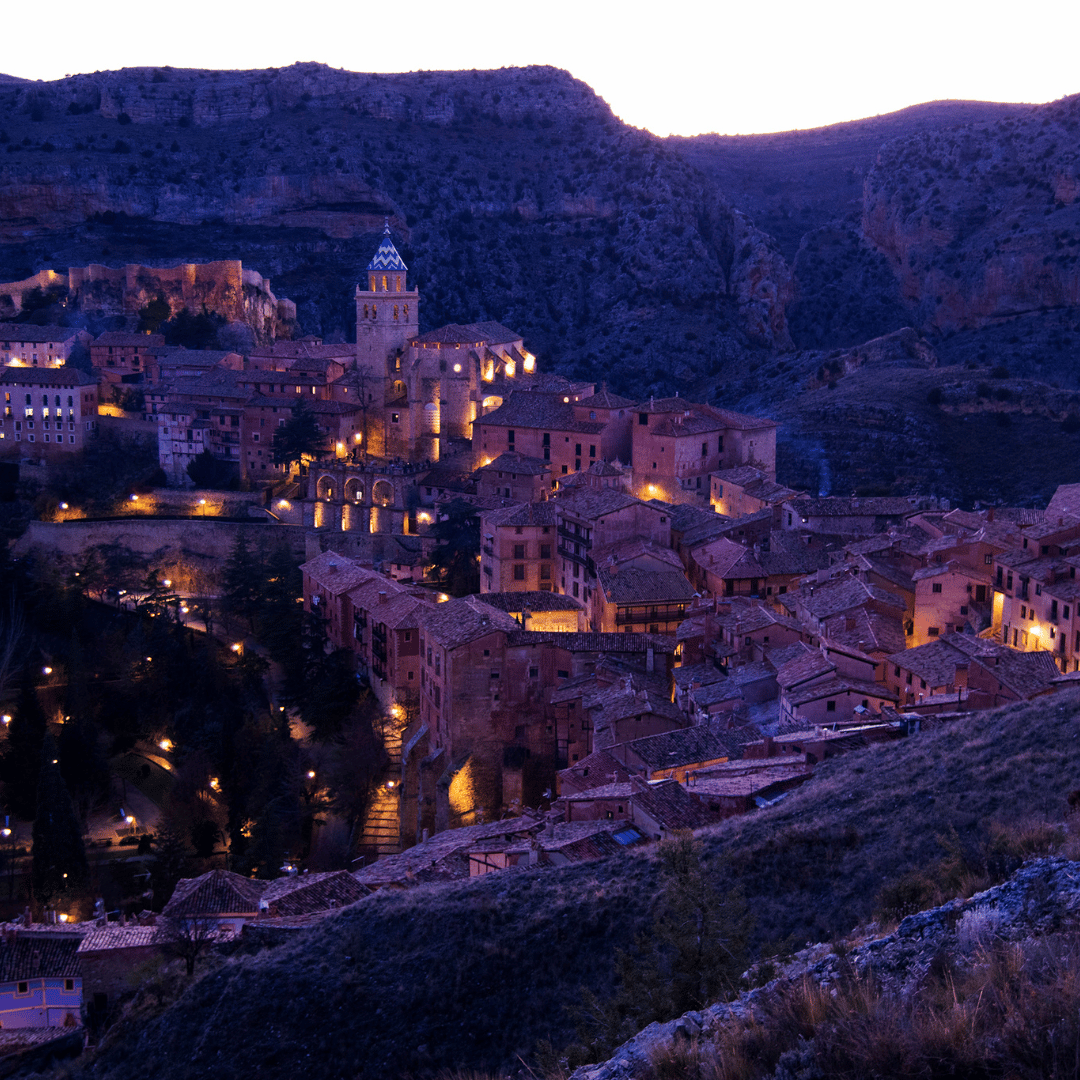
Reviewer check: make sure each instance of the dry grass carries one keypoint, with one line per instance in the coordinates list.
(1014, 1012)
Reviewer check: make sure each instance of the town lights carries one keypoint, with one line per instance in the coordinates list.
(63, 506)
(215, 784)
(134, 498)
(46, 671)
(166, 745)
(6, 718)
(167, 583)
(311, 774)
(357, 437)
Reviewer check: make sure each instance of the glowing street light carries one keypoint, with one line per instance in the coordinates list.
(46, 671)
(63, 506)
(311, 774)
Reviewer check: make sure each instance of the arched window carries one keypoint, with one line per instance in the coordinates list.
(399, 283)
(395, 313)
(406, 312)
(384, 283)
(365, 311)
(374, 310)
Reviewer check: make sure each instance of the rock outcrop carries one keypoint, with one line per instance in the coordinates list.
(1041, 900)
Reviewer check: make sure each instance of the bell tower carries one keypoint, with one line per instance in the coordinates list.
(387, 313)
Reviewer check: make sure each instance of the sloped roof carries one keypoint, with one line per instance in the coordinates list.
(65, 377)
(39, 957)
(834, 506)
(304, 894)
(538, 409)
(530, 601)
(605, 399)
(386, 257)
(460, 621)
(520, 464)
(336, 573)
(217, 892)
(935, 662)
(537, 513)
(689, 745)
(29, 332)
(122, 338)
(630, 586)
(590, 503)
(594, 642)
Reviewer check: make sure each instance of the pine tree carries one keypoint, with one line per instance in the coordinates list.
(244, 580)
(299, 437)
(58, 866)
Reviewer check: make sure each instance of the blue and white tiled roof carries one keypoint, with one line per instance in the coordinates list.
(387, 257)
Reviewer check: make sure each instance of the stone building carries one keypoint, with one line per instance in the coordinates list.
(55, 409)
(26, 345)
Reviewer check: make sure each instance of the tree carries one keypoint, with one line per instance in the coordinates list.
(153, 315)
(207, 471)
(693, 955)
(193, 331)
(244, 580)
(58, 864)
(188, 939)
(456, 555)
(299, 437)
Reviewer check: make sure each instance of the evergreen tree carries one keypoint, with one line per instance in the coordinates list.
(299, 437)
(244, 580)
(58, 865)
(456, 555)
(22, 758)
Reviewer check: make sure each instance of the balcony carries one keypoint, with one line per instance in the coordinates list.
(575, 537)
(568, 553)
(488, 550)
(659, 613)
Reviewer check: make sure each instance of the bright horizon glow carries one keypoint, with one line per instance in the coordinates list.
(723, 68)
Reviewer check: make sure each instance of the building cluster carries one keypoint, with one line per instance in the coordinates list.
(662, 633)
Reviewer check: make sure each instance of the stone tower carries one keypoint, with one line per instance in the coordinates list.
(387, 313)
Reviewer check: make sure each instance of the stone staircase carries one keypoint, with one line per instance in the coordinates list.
(382, 826)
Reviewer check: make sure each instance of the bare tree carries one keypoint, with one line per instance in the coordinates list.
(188, 938)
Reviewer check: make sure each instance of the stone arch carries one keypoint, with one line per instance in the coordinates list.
(383, 493)
(354, 490)
(492, 401)
(431, 418)
(325, 488)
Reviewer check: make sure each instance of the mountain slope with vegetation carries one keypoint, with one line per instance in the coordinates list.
(476, 975)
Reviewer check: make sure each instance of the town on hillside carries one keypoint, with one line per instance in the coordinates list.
(413, 609)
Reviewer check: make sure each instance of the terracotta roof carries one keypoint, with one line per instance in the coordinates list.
(112, 936)
(538, 409)
(595, 642)
(590, 504)
(700, 674)
(125, 339)
(672, 807)
(218, 892)
(538, 513)
(689, 745)
(870, 631)
(29, 332)
(39, 957)
(519, 464)
(727, 559)
(338, 574)
(839, 685)
(460, 621)
(605, 399)
(305, 894)
(625, 585)
(834, 597)
(595, 770)
(833, 506)
(65, 377)
(804, 668)
(935, 662)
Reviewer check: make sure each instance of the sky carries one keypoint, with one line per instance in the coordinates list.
(732, 68)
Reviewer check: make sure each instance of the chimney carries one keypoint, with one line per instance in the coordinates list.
(990, 514)
(382, 598)
(650, 659)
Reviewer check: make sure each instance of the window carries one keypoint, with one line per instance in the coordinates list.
(22, 988)
(988, 559)
(704, 449)
(69, 984)
(519, 551)
(643, 419)
(936, 587)
(519, 571)
(830, 706)
(932, 631)
(545, 572)
(545, 553)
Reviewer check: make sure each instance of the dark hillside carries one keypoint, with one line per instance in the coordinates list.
(472, 976)
(793, 182)
(515, 195)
